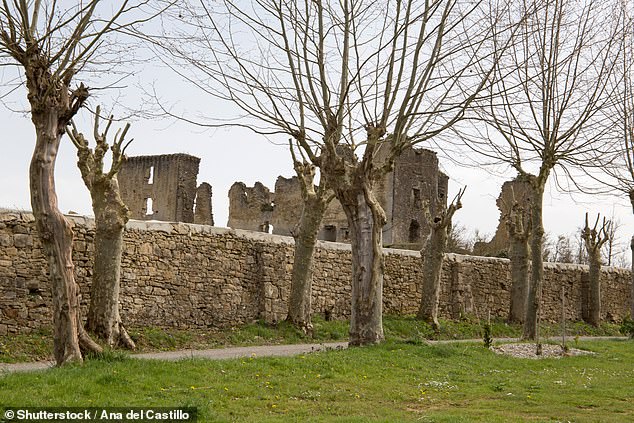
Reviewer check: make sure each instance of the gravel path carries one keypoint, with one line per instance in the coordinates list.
(276, 350)
(237, 352)
(213, 354)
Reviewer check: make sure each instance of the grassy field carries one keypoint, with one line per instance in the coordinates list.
(38, 346)
(395, 381)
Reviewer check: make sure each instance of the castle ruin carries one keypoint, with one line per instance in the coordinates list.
(414, 182)
(513, 190)
(164, 188)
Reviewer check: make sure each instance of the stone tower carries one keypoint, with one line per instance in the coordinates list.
(164, 188)
(414, 181)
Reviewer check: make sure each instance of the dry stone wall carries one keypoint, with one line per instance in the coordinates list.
(194, 276)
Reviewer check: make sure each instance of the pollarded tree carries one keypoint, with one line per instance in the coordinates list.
(518, 224)
(111, 215)
(594, 239)
(315, 201)
(51, 44)
(353, 83)
(432, 255)
(549, 89)
(619, 167)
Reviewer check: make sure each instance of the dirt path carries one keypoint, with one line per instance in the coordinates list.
(212, 354)
(261, 351)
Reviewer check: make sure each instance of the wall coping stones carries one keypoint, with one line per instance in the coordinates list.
(7, 215)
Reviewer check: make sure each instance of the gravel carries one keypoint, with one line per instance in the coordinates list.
(529, 350)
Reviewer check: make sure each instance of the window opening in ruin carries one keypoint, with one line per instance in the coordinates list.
(330, 233)
(266, 227)
(150, 178)
(416, 196)
(345, 234)
(149, 210)
(414, 231)
(441, 192)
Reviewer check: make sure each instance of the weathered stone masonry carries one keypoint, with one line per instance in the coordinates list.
(195, 276)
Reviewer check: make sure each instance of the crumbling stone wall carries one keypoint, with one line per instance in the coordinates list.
(414, 182)
(167, 184)
(250, 208)
(514, 190)
(203, 213)
(195, 276)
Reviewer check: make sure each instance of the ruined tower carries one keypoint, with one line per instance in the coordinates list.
(414, 182)
(513, 190)
(164, 188)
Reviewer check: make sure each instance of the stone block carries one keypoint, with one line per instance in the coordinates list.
(22, 240)
(6, 240)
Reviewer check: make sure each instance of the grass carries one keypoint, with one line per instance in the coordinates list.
(395, 381)
(38, 346)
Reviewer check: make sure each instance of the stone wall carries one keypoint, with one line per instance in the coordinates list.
(195, 276)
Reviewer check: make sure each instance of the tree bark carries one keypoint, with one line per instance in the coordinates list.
(111, 215)
(518, 254)
(594, 287)
(432, 257)
(594, 239)
(299, 306)
(366, 220)
(56, 235)
(518, 224)
(531, 324)
(432, 271)
(632, 281)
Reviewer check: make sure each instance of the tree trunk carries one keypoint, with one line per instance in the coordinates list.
(432, 257)
(366, 220)
(531, 324)
(299, 305)
(518, 254)
(111, 215)
(57, 239)
(594, 288)
(632, 288)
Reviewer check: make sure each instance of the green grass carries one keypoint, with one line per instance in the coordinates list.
(395, 381)
(38, 346)
(20, 348)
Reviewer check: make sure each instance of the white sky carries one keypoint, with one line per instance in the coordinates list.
(230, 155)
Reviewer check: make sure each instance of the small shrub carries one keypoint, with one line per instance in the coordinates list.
(627, 327)
(487, 338)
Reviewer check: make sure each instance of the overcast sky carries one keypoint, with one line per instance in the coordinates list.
(230, 155)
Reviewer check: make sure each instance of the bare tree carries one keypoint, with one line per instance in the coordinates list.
(374, 78)
(609, 248)
(544, 105)
(315, 201)
(518, 224)
(458, 240)
(594, 240)
(51, 44)
(617, 162)
(432, 255)
(564, 250)
(111, 215)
